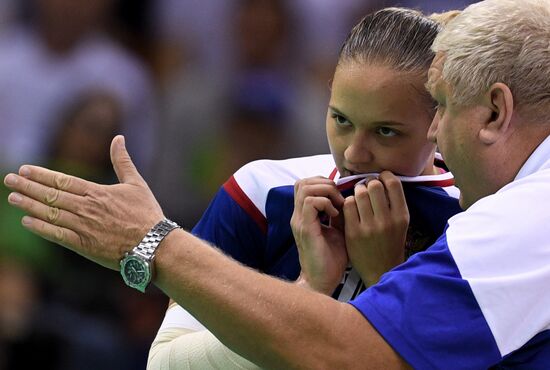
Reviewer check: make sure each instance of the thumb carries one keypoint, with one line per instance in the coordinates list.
(122, 163)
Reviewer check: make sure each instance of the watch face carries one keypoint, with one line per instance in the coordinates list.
(135, 272)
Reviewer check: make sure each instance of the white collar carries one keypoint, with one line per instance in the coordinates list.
(538, 160)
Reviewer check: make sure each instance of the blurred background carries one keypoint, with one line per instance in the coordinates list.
(198, 87)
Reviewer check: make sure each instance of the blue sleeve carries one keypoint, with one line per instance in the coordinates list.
(230, 228)
(429, 315)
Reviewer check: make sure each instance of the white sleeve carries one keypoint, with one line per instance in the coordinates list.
(177, 317)
(179, 347)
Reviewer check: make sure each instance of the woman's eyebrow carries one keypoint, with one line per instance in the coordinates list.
(387, 123)
(333, 108)
(338, 111)
(372, 123)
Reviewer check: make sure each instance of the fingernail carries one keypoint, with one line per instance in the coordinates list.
(366, 180)
(26, 221)
(25, 171)
(15, 198)
(10, 180)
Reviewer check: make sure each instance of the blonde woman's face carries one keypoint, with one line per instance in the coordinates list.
(378, 120)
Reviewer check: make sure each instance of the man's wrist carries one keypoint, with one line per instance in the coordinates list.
(137, 266)
(166, 255)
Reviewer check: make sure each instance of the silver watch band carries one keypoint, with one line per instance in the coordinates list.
(152, 239)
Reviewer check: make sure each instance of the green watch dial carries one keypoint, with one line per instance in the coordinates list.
(137, 266)
(136, 272)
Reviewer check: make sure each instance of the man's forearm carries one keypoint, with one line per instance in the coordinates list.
(271, 322)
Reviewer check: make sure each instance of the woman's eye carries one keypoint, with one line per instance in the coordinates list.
(386, 132)
(340, 120)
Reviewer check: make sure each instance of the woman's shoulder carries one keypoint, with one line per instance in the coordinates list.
(273, 173)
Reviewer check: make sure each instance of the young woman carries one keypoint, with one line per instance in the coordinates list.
(377, 120)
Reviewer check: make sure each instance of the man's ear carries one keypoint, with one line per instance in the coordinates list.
(501, 101)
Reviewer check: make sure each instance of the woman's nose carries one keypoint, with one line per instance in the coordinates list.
(358, 152)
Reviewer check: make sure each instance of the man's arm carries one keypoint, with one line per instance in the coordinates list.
(271, 322)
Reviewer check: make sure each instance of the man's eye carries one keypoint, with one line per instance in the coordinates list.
(386, 132)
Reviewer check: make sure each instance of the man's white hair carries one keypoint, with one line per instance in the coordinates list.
(504, 41)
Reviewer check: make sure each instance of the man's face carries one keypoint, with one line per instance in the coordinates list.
(455, 129)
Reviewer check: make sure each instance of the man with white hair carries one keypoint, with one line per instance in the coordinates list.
(476, 299)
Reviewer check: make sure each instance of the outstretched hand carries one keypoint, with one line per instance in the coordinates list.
(100, 222)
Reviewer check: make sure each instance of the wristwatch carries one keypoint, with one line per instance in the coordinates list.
(136, 267)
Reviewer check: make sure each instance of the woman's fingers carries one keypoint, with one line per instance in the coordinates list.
(315, 205)
(379, 201)
(380, 198)
(364, 203)
(316, 187)
(394, 191)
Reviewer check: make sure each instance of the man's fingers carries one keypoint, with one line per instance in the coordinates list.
(47, 195)
(53, 233)
(122, 163)
(52, 179)
(49, 214)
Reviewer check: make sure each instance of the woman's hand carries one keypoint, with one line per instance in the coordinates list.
(376, 223)
(322, 251)
(100, 222)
